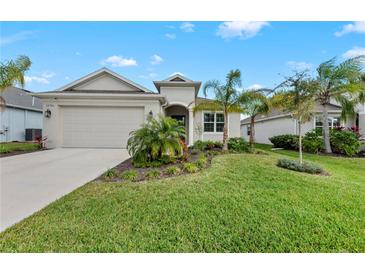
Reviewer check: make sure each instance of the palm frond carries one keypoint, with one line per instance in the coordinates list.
(214, 85)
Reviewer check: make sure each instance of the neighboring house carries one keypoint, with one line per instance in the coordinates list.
(102, 108)
(21, 111)
(277, 123)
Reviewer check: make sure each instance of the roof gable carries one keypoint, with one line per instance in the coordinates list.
(177, 78)
(104, 80)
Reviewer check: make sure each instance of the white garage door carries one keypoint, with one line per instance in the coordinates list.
(105, 127)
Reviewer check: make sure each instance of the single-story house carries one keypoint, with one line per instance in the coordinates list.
(277, 122)
(20, 110)
(100, 110)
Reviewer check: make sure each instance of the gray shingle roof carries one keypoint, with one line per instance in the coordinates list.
(21, 98)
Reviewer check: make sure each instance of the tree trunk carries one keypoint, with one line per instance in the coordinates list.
(225, 132)
(300, 141)
(252, 132)
(326, 130)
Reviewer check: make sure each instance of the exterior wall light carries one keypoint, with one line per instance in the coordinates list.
(150, 113)
(47, 113)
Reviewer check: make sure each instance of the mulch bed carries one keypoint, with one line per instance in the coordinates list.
(142, 172)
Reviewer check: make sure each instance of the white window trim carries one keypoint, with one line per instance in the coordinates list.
(214, 132)
(342, 123)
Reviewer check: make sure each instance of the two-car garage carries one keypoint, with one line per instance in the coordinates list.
(104, 127)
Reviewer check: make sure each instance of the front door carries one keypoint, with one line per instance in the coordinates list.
(180, 118)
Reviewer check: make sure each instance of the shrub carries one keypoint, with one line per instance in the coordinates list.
(238, 145)
(156, 140)
(286, 141)
(153, 174)
(207, 145)
(110, 173)
(344, 142)
(190, 167)
(218, 144)
(173, 170)
(296, 166)
(201, 162)
(130, 175)
(313, 141)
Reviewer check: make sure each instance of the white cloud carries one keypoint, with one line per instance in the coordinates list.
(355, 51)
(41, 79)
(156, 59)
(187, 27)
(23, 35)
(298, 65)
(48, 74)
(170, 36)
(77, 53)
(120, 61)
(177, 72)
(151, 75)
(358, 27)
(240, 29)
(255, 86)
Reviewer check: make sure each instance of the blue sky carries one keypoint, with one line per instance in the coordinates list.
(145, 51)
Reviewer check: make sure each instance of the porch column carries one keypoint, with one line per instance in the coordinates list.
(191, 128)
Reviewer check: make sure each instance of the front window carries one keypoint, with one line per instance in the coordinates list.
(333, 122)
(213, 122)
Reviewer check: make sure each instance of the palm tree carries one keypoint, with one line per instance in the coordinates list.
(12, 72)
(297, 98)
(226, 99)
(339, 82)
(253, 103)
(156, 139)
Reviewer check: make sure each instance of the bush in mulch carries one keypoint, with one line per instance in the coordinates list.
(305, 167)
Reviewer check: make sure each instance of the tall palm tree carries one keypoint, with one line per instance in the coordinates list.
(339, 82)
(12, 72)
(253, 103)
(226, 99)
(297, 98)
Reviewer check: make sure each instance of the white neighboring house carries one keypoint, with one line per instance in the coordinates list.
(22, 111)
(278, 123)
(100, 110)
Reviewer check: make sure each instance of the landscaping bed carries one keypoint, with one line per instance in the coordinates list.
(177, 168)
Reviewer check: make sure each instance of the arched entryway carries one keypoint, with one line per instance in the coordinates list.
(180, 113)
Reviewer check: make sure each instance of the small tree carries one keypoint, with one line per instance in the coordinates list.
(342, 83)
(226, 99)
(156, 139)
(253, 103)
(297, 97)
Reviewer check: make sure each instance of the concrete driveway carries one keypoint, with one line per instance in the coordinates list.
(31, 181)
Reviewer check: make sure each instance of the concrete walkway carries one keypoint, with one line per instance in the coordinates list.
(31, 181)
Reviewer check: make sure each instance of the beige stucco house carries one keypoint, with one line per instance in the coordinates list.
(277, 122)
(102, 108)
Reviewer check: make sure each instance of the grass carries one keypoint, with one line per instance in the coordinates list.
(17, 146)
(243, 203)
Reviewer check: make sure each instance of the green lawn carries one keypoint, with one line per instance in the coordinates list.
(17, 146)
(243, 203)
